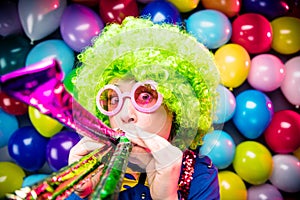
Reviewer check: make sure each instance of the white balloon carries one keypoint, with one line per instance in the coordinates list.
(40, 18)
(290, 86)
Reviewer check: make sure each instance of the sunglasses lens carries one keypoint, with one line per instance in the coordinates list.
(145, 96)
(109, 100)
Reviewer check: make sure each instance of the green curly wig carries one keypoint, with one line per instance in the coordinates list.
(183, 68)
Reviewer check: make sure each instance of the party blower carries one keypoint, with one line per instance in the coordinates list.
(40, 85)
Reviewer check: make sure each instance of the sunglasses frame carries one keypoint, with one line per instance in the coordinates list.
(130, 94)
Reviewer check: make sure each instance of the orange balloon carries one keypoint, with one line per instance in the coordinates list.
(229, 7)
(233, 62)
(231, 186)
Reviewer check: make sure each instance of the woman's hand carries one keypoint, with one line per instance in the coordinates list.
(162, 165)
(82, 148)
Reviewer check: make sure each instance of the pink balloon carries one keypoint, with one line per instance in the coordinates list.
(266, 72)
(79, 25)
(40, 18)
(290, 86)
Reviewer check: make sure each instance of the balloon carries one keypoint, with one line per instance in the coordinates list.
(253, 162)
(32, 179)
(8, 125)
(286, 35)
(266, 72)
(161, 11)
(290, 84)
(4, 154)
(59, 147)
(225, 105)
(253, 113)
(229, 7)
(11, 178)
(9, 19)
(12, 106)
(79, 25)
(13, 53)
(252, 31)
(283, 135)
(114, 11)
(28, 148)
(40, 18)
(219, 147)
(185, 5)
(210, 27)
(70, 79)
(269, 8)
(297, 153)
(263, 192)
(56, 49)
(44, 124)
(233, 62)
(286, 173)
(231, 186)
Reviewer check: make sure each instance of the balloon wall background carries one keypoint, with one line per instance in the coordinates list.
(256, 45)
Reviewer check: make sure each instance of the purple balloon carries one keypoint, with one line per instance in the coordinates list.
(59, 147)
(79, 25)
(271, 9)
(10, 23)
(264, 192)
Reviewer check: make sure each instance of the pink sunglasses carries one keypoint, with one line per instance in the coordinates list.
(144, 97)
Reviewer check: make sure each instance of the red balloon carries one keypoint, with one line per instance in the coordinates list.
(253, 32)
(11, 105)
(283, 133)
(114, 11)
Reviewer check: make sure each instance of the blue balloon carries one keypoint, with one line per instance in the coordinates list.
(28, 148)
(54, 48)
(33, 179)
(210, 27)
(271, 9)
(225, 105)
(162, 11)
(219, 146)
(8, 125)
(253, 113)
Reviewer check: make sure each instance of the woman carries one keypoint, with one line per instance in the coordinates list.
(157, 84)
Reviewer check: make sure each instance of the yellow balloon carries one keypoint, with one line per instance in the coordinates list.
(253, 162)
(185, 5)
(231, 186)
(286, 32)
(233, 62)
(11, 178)
(44, 124)
(297, 153)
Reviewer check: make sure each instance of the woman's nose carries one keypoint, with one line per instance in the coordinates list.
(128, 112)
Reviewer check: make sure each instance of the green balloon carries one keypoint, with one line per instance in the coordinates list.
(70, 80)
(13, 53)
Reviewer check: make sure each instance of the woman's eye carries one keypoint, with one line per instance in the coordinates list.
(114, 100)
(145, 98)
